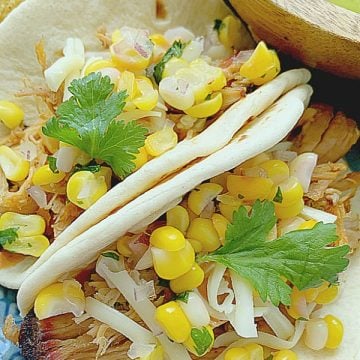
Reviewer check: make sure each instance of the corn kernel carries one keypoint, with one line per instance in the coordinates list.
(33, 245)
(276, 170)
(262, 66)
(221, 180)
(167, 238)
(298, 304)
(141, 158)
(328, 295)
(156, 354)
(196, 244)
(309, 224)
(250, 188)
(11, 114)
(148, 97)
(228, 210)
(173, 65)
(237, 354)
(255, 161)
(316, 334)
(204, 231)
(178, 217)
(200, 197)
(193, 347)
(220, 223)
(161, 141)
(230, 32)
(286, 212)
(206, 108)
(189, 281)
(98, 65)
(105, 172)
(160, 40)
(173, 320)
(45, 176)
(116, 36)
(127, 82)
(14, 166)
(285, 355)
(60, 298)
(172, 264)
(122, 246)
(335, 332)
(27, 225)
(84, 188)
(292, 192)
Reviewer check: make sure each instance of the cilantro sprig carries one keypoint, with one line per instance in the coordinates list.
(301, 256)
(176, 50)
(8, 236)
(88, 120)
(202, 340)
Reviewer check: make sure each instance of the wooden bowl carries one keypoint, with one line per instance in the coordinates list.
(316, 32)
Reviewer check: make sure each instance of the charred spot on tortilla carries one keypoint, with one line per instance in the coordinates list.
(161, 10)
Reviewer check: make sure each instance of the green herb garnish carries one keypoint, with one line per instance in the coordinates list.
(301, 256)
(111, 255)
(175, 50)
(218, 25)
(8, 236)
(88, 121)
(202, 340)
(184, 297)
(52, 164)
(94, 168)
(278, 196)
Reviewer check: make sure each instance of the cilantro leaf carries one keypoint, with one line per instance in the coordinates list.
(184, 297)
(202, 340)
(175, 50)
(301, 256)
(8, 236)
(94, 168)
(218, 25)
(111, 255)
(278, 196)
(52, 164)
(88, 121)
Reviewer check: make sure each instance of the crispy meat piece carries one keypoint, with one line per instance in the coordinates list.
(11, 330)
(104, 38)
(319, 131)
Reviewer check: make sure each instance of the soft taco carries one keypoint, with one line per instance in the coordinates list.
(140, 294)
(177, 134)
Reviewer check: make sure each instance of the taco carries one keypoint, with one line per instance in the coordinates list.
(54, 172)
(142, 287)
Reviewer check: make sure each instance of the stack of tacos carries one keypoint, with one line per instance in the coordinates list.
(200, 117)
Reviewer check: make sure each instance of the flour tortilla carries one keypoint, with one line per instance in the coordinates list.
(55, 22)
(259, 135)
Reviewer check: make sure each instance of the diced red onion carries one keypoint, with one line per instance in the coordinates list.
(302, 168)
(65, 158)
(284, 155)
(145, 290)
(316, 334)
(28, 150)
(38, 195)
(145, 262)
(112, 73)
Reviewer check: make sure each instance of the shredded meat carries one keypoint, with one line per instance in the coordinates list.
(319, 131)
(41, 55)
(11, 330)
(104, 38)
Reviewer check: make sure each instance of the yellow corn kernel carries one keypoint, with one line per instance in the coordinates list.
(292, 192)
(45, 176)
(84, 188)
(161, 141)
(220, 223)
(27, 225)
(262, 66)
(255, 351)
(173, 65)
(174, 321)
(228, 210)
(335, 331)
(230, 32)
(156, 354)
(98, 65)
(60, 298)
(11, 114)
(298, 302)
(189, 281)
(206, 108)
(128, 82)
(122, 246)
(14, 166)
(285, 355)
(106, 173)
(255, 161)
(167, 238)
(237, 353)
(172, 264)
(116, 36)
(33, 245)
(328, 295)
(204, 231)
(286, 212)
(221, 180)
(312, 293)
(178, 217)
(196, 244)
(148, 97)
(192, 346)
(276, 170)
(250, 188)
(200, 197)
(308, 224)
(141, 158)
(160, 40)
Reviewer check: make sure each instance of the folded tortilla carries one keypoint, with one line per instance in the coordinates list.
(58, 20)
